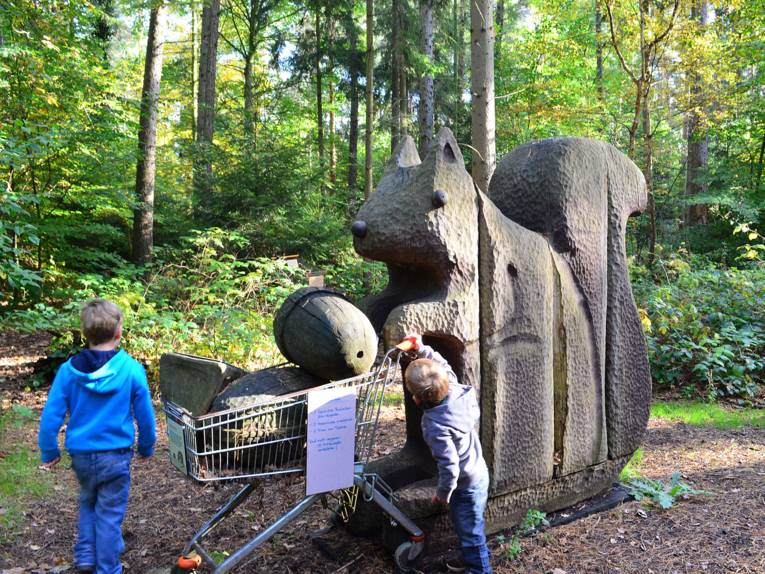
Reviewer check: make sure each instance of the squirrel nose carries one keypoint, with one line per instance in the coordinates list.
(359, 229)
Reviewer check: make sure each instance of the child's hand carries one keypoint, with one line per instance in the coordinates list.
(50, 464)
(436, 500)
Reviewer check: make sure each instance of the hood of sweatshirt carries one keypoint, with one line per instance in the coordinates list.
(105, 380)
(459, 411)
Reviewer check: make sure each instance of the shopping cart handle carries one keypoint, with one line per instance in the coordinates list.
(405, 345)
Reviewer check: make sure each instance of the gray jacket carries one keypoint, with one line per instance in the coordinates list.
(449, 429)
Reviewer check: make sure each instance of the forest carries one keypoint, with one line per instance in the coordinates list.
(197, 161)
(175, 156)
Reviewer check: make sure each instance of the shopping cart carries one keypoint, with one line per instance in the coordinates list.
(269, 439)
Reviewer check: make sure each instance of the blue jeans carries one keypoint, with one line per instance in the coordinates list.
(466, 507)
(104, 479)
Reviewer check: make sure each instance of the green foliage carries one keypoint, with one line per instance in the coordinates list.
(655, 492)
(705, 328)
(20, 480)
(706, 414)
(198, 299)
(631, 470)
(532, 523)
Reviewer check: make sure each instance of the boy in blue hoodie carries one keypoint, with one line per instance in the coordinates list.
(103, 389)
(450, 415)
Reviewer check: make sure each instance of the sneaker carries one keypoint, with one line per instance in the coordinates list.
(85, 569)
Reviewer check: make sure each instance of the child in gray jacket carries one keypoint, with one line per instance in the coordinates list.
(450, 415)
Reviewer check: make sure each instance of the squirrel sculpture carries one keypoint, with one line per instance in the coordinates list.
(524, 288)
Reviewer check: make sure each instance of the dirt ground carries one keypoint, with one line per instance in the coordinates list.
(723, 531)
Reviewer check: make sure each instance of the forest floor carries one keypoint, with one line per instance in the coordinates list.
(722, 531)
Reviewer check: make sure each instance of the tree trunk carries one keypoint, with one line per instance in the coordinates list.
(395, 100)
(319, 112)
(698, 140)
(203, 174)
(143, 214)
(194, 72)
(331, 96)
(598, 51)
(648, 174)
(427, 94)
(353, 128)
(501, 24)
(370, 101)
(482, 86)
(248, 88)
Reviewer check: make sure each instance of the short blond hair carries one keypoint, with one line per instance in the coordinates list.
(99, 320)
(427, 380)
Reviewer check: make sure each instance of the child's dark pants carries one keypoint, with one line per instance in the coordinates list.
(466, 507)
(104, 487)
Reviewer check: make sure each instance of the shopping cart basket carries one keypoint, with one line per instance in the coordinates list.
(269, 439)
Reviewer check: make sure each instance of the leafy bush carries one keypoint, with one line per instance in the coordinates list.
(198, 299)
(655, 492)
(705, 328)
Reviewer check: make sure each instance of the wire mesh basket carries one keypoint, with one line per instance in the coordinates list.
(268, 438)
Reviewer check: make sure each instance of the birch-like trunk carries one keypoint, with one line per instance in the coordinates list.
(482, 87)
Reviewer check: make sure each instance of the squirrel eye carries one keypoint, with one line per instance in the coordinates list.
(440, 197)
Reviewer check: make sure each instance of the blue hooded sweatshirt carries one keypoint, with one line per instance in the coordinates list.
(449, 429)
(101, 406)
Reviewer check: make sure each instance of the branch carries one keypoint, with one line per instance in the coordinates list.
(616, 46)
(671, 24)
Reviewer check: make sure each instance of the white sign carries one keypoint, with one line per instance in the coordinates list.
(176, 445)
(331, 439)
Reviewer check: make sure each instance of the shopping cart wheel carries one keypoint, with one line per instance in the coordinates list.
(188, 563)
(406, 556)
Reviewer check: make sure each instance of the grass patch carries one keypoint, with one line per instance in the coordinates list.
(708, 414)
(631, 470)
(20, 479)
(393, 398)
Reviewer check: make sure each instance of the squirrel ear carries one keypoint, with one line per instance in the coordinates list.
(405, 154)
(448, 147)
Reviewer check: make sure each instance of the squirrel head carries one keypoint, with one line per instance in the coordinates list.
(413, 217)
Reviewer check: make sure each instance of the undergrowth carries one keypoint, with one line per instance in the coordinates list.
(20, 479)
(708, 414)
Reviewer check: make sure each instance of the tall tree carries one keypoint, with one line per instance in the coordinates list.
(331, 92)
(203, 173)
(698, 140)
(482, 86)
(194, 70)
(654, 28)
(396, 54)
(370, 101)
(599, 50)
(143, 214)
(317, 71)
(427, 95)
(353, 128)
(249, 20)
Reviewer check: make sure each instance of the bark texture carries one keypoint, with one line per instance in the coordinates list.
(143, 214)
(482, 86)
(203, 174)
(427, 95)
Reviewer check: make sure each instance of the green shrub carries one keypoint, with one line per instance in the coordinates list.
(705, 328)
(198, 299)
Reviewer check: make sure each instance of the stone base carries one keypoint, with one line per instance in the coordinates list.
(503, 511)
